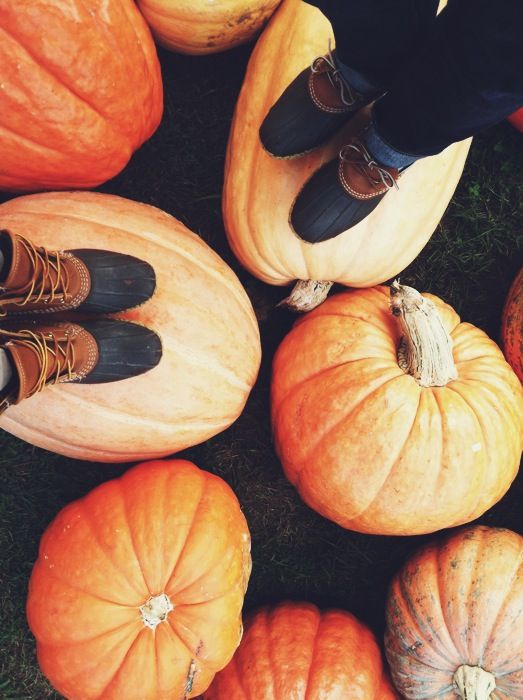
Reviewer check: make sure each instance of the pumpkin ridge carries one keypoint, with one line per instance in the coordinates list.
(272, 663)
(40, 62)
(314, 651)
(74, 587)
(505, 601)
(340, 422)
(204, 483)
(24, 137)
(316, 313)
(171, 622)
(407, 608)
(131, 536)
(92, 527)
(131, 646)
(393, 465)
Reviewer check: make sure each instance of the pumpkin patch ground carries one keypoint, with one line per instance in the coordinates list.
(470, 263)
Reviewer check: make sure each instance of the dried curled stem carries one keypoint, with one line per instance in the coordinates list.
(474, 683)
(307, 295)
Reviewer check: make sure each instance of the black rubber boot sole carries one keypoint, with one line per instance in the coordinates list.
(125, 350)
(323, 209)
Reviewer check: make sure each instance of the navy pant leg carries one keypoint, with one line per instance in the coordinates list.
(467, 77)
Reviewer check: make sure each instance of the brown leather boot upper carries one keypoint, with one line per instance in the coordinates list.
(39, 280)
(47, 354)
(328, 91)
(361, 176)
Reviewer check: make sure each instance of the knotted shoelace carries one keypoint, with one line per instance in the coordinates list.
(47, 347)
(346, 94)
(367, 165)
(49, 281)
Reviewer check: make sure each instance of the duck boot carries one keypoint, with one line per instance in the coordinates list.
(91, 352)
(34, 280)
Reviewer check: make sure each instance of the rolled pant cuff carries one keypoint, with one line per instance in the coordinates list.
(383, 152)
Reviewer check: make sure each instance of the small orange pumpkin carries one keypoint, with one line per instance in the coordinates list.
(80, 90)
(512, 326)
(454, 619)
(259, 190)
(203, 26)
(138, 588)
(395, 426)
(210, 339)
(295, 651)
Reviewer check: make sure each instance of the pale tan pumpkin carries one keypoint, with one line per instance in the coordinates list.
(259, 190)
(210, 339)
(205, 26)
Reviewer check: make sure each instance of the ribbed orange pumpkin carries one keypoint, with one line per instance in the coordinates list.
(138, 588)
(377, 450)
(512, 326)
(205, 26)
(295, 652)
(259, 190)
(210, 339)
(80, 90)
(454, 619)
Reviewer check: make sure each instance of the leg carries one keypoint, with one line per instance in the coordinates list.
(468, 77)
(378, 37)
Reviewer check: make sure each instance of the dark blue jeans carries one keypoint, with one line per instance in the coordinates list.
(447, 77)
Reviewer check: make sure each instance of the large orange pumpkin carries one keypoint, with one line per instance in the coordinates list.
(395, 436)
(210, 339)
(294, 651)
(259, 190)
(205, 26)
(138, 587)
(454, 619)
(80, 90)
(512, 326)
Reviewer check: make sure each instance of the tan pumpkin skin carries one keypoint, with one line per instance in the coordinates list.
(295, 652)
(259, 190)
(205, 26)
(512, 326)
(459, 601)
(210, 339)
(80, 90)
(367, 446)
(163, 527)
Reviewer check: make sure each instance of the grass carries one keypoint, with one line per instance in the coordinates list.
(470, 261)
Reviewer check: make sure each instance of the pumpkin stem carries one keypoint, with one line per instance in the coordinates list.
(306, 295)
(156, 610)
(473, 683)
(425, 351)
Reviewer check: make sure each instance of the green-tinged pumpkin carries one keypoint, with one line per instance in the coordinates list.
(395, 426)
(259, 190)
(80, 91)
(454, 619)
(138, 587)
(294, 651)
(512, 326)
(210, 339)
(205, 26)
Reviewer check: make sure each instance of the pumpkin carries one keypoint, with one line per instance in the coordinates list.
(395, 427)
(454, 617)
(80, 89)
(203, 26)
(138, 587)
(512, 326)
(295, 651)
(516, 119)
(210, 338)
(259, 190)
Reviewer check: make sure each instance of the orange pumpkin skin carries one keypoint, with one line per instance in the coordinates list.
(367, 446)
(210, 338)
(259, 190)
(512, 326)
(80, 90)
(457, 602)
(295, 651)
(163, 527)
(203, 27)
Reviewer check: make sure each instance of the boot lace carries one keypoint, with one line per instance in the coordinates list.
(49, 282)
(347, 96)
(367, 166)
(47, 348)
